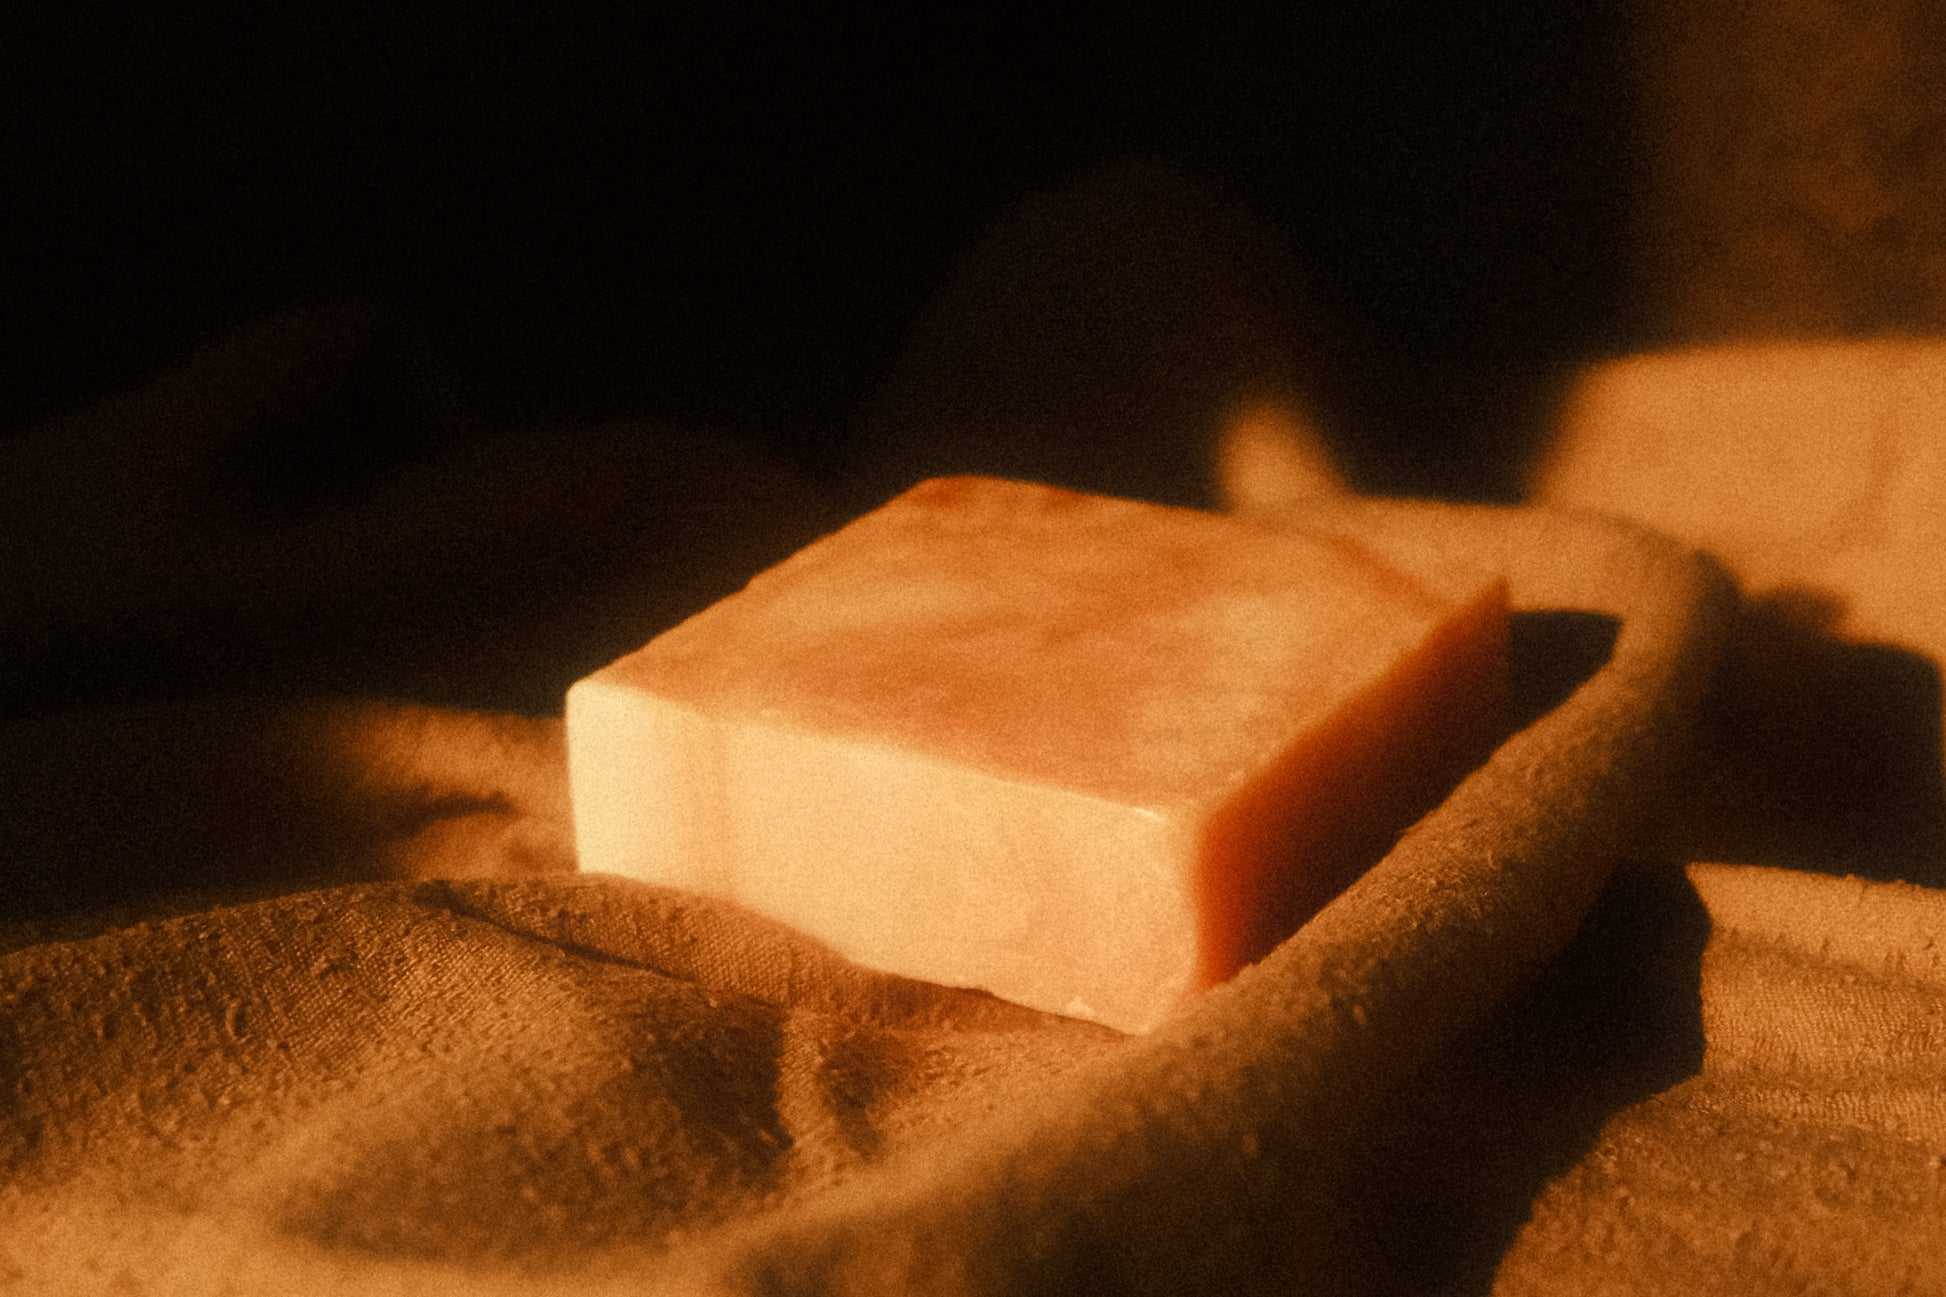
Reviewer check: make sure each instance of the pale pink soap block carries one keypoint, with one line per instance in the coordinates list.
(1088, 754)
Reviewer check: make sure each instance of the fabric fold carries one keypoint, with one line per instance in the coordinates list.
(583, 1084)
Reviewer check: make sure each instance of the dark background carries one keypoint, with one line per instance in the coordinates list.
(730, 217)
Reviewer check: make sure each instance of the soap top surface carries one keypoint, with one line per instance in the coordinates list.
(1145, 654)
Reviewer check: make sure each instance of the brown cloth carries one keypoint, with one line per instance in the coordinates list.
(583, 1082)
(300, 991)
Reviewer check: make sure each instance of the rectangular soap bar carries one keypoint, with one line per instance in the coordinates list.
(1088, 754)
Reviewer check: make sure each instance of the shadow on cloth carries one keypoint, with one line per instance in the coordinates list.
(1461, 1150)
(133, 813)
(1464, 1148)
(1820, 753)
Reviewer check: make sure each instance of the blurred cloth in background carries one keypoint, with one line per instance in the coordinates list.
(739, 222)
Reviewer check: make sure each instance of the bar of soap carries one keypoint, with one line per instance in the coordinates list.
(1087, 754)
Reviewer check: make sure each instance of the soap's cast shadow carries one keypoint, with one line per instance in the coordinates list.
(1550, 654)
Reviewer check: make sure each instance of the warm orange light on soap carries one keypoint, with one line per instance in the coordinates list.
(1088, 754)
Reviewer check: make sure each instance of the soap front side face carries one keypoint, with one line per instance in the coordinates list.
(1088, 754)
